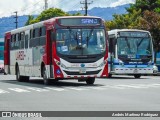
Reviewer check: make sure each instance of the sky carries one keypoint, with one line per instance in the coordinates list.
(8, 7)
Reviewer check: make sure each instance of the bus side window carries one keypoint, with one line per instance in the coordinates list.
(43, 31)
(12, 42)
(26, 41)
(42, 34)
(30, 43)
(22, 39)
(17, 43)
(37, 37)
(32, 36)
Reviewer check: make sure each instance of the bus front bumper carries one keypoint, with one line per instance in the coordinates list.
(133, 71)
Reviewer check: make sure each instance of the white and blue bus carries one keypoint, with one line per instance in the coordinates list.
(130, 52)
(158, 61)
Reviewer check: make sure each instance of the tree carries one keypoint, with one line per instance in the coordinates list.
(151, 22)
(124, 21)
(52, 12)
(151, 5)
(144, 14)
(30, 18)
(49, 13)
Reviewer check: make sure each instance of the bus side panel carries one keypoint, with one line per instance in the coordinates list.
(7, 53)
(37, 58)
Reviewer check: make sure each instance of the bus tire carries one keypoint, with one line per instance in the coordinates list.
(137, 76)
(90, 81)
(109, 75)
(25, 78)
(45, 79)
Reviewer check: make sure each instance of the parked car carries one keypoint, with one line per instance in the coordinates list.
(1, 66)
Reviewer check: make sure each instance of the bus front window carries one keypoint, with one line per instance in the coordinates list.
(134, 46)
(80, 41)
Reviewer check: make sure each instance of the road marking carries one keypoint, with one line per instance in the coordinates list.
(98, 88)
(18, 90)
(154, 85)
(56, 89)
(3, 91)
(82, 88)
(133, 86)
(117, 87)
(37, 89)
(76, 88)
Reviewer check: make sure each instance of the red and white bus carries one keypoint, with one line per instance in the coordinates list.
(72, 47)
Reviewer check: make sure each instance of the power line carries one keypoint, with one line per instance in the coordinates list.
(86, 6)
(46, 4)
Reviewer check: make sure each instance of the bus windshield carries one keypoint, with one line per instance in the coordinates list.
(134, 46)
(80, 41)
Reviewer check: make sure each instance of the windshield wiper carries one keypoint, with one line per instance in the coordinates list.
(128, 44)
(140, 43)
(89, 36)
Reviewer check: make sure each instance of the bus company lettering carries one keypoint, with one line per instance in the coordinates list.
(20, 55)
(89, 21)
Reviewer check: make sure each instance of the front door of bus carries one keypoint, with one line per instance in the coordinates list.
(112, 52)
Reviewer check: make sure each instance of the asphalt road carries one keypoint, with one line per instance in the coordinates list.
(120, 93)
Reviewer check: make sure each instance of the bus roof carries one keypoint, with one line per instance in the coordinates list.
(121, 30)
(39, 24)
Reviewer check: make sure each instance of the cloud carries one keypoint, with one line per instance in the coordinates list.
(36, 6)
(121, 2)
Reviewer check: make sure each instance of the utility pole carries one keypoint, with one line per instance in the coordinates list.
(16, 17)
(86, 6)
(46, 4)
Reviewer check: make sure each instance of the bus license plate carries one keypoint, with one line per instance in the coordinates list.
(135, 71)
(82, 71)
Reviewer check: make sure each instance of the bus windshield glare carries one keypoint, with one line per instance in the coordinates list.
(134, 46)
(80, 41)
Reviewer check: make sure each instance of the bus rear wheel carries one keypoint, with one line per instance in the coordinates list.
(137, 76)
(90, 81)
(19, 77)
(45, 79)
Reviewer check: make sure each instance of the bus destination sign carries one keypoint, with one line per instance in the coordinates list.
(133, 34)
(79, 21)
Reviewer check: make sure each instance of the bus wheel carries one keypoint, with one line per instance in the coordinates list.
(137, 76)
(109, 75)
(90, 81)
(45, 79)
(25, 78)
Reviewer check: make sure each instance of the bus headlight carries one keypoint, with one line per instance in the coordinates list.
(103, 63)
(57, 62)
(63, 66)
(149, 63)
(121, 63)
